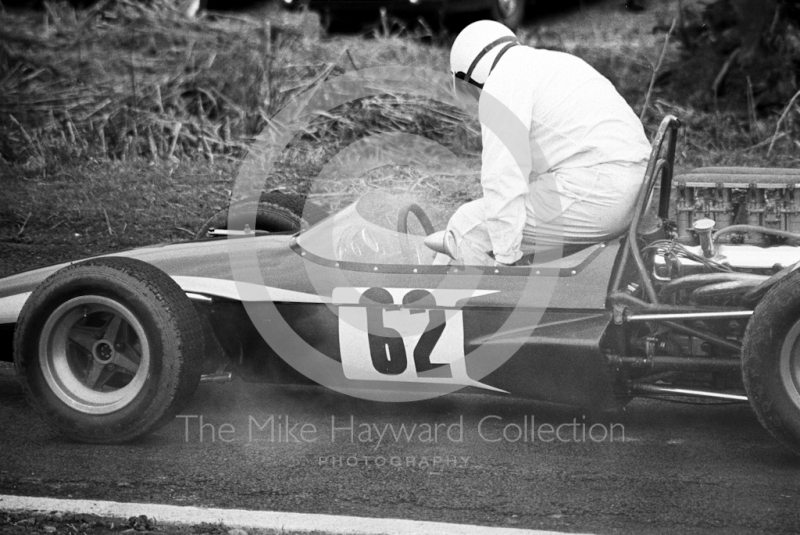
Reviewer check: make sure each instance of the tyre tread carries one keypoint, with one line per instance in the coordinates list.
(771, 321)
(186, 330)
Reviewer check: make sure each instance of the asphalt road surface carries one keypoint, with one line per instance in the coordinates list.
(655, 468)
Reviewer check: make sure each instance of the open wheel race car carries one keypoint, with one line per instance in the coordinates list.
(112, 347)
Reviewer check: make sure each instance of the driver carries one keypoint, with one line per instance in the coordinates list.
(588, 150)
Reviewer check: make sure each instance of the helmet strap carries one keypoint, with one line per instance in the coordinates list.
(486, 49)
(500, 54)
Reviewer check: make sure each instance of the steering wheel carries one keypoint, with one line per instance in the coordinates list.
(402, 227)
(402, 219)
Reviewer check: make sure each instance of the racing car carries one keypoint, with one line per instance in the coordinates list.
(700, 298)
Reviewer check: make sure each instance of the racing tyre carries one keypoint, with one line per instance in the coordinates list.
(277, 212)
(108, 350)
(771, 362)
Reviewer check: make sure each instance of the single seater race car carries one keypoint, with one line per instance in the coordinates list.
(111, 348)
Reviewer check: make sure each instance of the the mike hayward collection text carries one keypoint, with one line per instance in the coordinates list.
(283, 428)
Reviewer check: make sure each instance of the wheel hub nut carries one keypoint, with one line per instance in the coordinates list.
(103, 351)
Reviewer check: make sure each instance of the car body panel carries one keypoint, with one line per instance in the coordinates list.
(559, 359)
(549, 341)
(204, 267)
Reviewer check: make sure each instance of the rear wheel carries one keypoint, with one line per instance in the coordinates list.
(771, 362)
(108, 350)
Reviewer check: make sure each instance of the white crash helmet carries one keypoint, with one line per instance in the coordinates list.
(475, 52)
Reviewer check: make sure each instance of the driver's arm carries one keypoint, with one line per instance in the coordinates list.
(505, 114)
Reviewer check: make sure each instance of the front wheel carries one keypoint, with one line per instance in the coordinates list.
(108, 350)
(771, 362)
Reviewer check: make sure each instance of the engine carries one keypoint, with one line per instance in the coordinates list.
(734, 229)
(745, 220)
(738, 196)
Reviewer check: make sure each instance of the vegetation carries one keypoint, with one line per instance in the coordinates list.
(740, 54)
(125, 124)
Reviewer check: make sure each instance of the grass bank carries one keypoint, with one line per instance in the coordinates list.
(125, 124)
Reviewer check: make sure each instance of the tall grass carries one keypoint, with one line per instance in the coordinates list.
(128, 79)
(124, 124)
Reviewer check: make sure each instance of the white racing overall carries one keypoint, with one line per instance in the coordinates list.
(578, 183)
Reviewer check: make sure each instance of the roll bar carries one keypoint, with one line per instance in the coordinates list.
(658, 164)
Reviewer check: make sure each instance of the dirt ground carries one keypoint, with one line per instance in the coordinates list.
(23, 523)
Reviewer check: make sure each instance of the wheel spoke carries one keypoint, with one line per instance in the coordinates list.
(94, 350)
(112, 328)
(84, 337)
(93, 373)
(127, 360)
